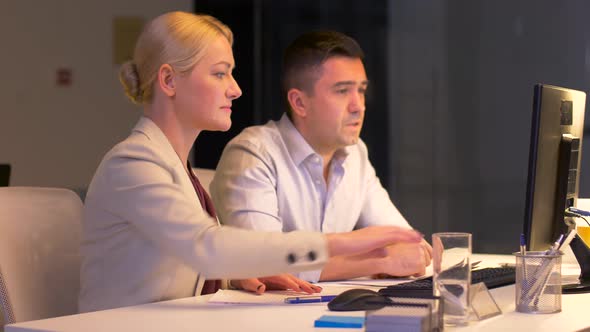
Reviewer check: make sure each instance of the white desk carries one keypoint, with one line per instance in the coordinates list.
(195, 314)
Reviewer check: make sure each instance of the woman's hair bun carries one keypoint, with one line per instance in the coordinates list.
(129, 77)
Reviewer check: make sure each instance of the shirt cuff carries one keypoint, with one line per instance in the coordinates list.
(310, 276)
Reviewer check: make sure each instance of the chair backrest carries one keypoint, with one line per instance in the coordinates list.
(39, 253)
(205, 176)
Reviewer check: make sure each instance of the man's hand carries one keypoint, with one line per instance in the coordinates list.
(405, 259)
(278, 282)
(369, 238)
(427, 251)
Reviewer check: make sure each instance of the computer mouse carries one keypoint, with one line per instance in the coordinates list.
(358, 299)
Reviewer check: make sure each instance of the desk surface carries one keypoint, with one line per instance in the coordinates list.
(195, 314)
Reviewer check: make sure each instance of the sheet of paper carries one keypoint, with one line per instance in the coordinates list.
(328, 288)
(366, 282)
(268, 297)
(380, 283)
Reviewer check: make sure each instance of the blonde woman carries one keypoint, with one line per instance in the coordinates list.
(149, 228)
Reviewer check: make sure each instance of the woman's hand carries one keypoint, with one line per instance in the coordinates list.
(279, 282)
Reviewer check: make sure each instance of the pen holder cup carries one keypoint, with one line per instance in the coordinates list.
(538, 282)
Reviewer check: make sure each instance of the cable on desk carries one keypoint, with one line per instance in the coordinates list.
(571, 214)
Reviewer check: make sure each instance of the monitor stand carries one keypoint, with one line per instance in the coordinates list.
(582, 253)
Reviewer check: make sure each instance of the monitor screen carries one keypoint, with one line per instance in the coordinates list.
(554, 162)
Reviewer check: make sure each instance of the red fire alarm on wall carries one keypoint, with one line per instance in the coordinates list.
(63, 77)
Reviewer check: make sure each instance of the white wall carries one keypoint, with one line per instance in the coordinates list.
(53, 135)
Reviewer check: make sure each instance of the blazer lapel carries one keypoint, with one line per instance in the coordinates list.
(155, 134)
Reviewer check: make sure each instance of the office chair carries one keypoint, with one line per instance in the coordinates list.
(39, 253)
(205, 176)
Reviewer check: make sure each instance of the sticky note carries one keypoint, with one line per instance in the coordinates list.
(340, 321)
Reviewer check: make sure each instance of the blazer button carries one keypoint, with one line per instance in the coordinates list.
(291, 259)
(312, 256)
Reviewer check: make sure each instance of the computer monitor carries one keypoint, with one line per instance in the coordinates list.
(554, 163)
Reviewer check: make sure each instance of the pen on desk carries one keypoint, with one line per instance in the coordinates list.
(309, 299)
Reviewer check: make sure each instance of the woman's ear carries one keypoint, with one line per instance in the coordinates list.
(297, 101)
(167, 80)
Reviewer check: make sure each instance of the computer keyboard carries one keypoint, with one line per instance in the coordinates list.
(492, 277)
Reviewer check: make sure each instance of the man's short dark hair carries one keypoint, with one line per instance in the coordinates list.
(305, 55)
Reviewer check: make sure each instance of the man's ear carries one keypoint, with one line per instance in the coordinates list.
(167, 80)
(297, 101)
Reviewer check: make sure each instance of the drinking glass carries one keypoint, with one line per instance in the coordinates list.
(452, 275)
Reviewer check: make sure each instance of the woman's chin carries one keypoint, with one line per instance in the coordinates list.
(215, 125)
(226, 127)
(222, 126)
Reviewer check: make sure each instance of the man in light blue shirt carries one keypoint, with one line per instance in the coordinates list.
(310, 170)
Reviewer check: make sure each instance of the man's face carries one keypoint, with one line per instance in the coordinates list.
(336, 108)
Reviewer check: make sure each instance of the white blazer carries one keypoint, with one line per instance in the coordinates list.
(146, 237)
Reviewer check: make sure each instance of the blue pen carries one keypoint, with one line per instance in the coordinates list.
(309, 299)
(539, 282)
(523, 253)
(568, 238)
(555, 246)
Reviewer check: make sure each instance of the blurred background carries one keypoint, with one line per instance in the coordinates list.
(448, 111)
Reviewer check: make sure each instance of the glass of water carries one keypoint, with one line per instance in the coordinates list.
(452, 275)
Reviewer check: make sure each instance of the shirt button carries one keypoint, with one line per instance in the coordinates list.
(291, 259)
(317, 181)
(316, 159)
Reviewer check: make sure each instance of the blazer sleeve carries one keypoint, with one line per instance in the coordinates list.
(144, 192)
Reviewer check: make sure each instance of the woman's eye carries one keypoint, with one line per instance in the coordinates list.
(219, 75)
